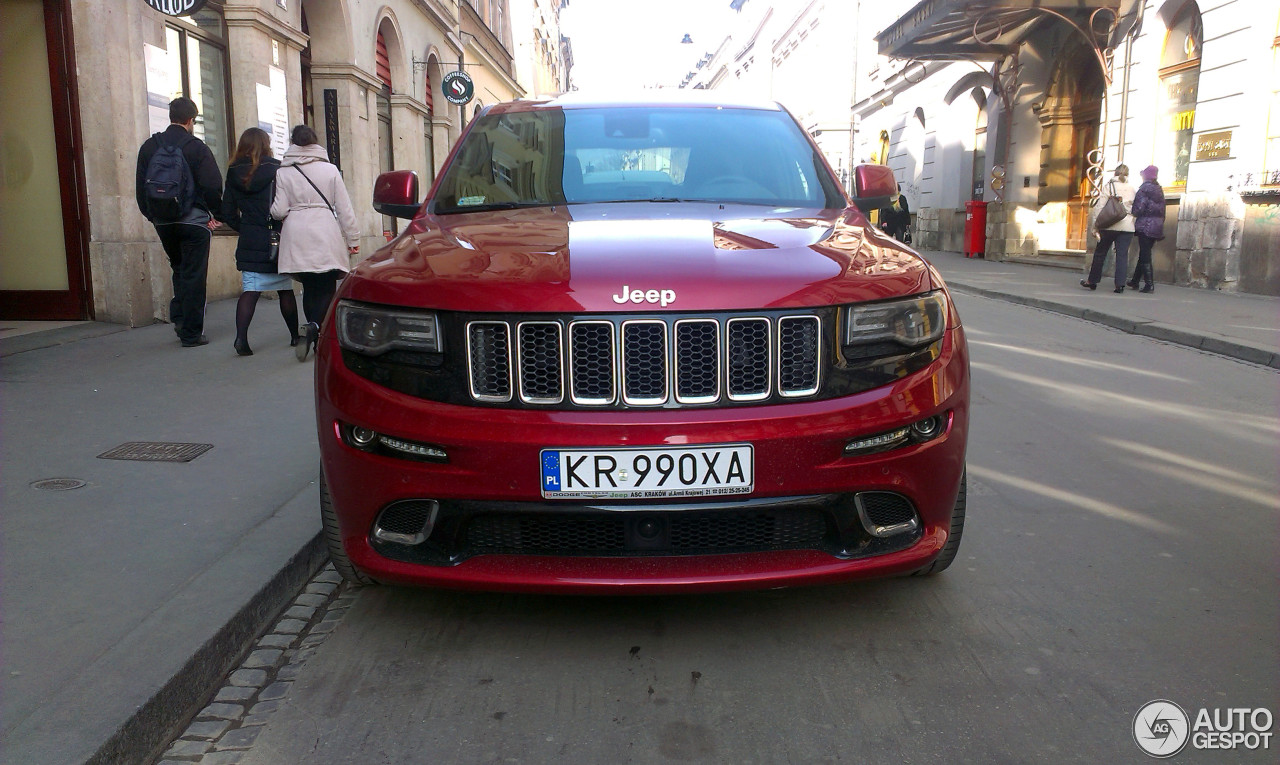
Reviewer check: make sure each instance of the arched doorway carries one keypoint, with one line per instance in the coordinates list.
(1069, 119)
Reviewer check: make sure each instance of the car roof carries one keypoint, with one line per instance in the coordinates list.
(662, 97)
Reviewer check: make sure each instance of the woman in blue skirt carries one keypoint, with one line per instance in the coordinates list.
(246, 207)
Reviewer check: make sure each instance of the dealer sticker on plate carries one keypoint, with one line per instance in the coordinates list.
(684, 471)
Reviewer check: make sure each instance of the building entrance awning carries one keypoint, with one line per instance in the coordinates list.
(989, 30)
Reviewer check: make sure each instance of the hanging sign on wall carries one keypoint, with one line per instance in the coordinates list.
(176, 7)
(458, 87)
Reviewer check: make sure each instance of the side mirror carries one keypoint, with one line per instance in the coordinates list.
(396, 194)
(873, 187)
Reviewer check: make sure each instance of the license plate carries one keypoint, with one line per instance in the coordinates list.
(693, 471)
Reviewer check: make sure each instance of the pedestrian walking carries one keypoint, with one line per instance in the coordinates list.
(246, 207)
(1119, 233)
(178, 189)
(1148, 224)
(319, 234)
(895, 220)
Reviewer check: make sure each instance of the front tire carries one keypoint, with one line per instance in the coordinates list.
(333, 539)
(952, 547)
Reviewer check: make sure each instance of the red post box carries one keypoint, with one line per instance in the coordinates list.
(975, 229)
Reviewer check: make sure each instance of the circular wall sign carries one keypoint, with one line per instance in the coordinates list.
(458, 87)
(176, 7)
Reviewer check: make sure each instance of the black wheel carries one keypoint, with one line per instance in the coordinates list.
(952, 546)
(333, 538)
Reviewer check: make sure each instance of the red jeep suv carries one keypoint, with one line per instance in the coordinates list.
(640, 347)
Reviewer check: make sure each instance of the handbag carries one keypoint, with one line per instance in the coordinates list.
(1112, 211)
(273, 253)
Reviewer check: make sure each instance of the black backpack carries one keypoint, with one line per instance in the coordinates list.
(169, 189)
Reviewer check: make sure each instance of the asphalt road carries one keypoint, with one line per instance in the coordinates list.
(1120, 548)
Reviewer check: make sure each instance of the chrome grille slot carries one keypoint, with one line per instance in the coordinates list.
(539, 359)
(697, 343)
(799, 355)
(489, 348)
(591, 358)
(748, 362)
(644, 362)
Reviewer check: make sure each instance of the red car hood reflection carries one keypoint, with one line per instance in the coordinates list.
(590, 258)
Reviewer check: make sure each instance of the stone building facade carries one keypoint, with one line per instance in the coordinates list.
(1020, 107)
(84, 82)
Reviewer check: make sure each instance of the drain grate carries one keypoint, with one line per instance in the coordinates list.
(58, 484)
(155, 451)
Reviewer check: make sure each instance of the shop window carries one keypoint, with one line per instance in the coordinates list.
(1179, 87)
(197, 44)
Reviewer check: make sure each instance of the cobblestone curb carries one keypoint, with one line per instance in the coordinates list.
(224, 730)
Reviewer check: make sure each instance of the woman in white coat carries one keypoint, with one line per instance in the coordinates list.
(1119, 233)
(319, 235)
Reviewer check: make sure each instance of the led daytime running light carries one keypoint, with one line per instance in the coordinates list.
(418, 450)
(877, 442)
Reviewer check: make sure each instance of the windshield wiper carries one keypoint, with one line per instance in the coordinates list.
(493, 206)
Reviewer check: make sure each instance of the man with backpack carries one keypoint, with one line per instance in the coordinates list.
(178, 186)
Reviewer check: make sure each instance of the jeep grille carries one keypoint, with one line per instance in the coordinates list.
(645, 362)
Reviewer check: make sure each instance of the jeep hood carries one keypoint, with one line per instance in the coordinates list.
(591, 258)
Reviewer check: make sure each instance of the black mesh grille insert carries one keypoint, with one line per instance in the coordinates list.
(490, 348)
(749, 358)
(698, 360)
(530, 535)
(405, 517)
(886, 509)
(798, 354)
(591, 353)
(685, 533)
(644, 361)
(540, 362)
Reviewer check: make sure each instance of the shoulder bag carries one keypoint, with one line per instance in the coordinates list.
(1112, 211)
(318, 191)
(273, 229)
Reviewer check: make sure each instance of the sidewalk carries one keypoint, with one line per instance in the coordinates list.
(124, 600)
(1244, 327)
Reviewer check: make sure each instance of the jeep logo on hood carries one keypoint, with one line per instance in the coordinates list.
(628, 295)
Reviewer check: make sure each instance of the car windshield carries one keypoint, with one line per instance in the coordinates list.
(635, 154)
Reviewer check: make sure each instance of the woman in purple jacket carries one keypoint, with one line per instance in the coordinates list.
(1148, 222)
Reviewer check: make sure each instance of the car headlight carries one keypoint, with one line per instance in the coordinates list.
(373, 330)
(911, 323)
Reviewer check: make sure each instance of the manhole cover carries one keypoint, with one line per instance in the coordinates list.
(58, 484)
(155, 451)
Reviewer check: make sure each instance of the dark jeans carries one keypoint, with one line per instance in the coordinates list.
(1121, 240)
(187, 246)
(1144, 271)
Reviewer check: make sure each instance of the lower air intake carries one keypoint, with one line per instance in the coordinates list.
(885, 514)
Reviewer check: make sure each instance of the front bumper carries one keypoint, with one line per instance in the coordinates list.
(493, 472)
